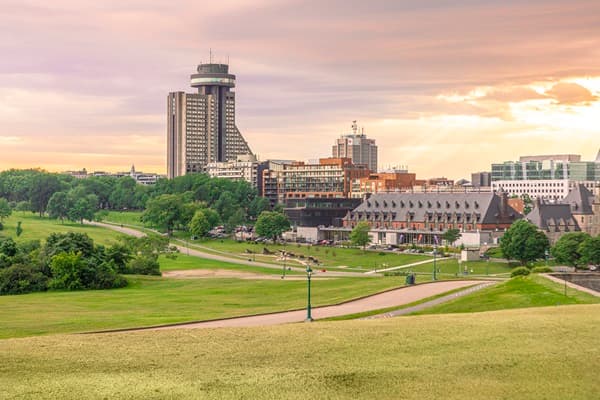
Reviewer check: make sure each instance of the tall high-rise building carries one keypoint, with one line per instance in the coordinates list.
(201, 126)
(357, 147)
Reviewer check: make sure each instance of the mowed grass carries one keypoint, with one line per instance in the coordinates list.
(447, 268)
(154, 301)
(131, 218)
(354, 259)
(36, 228)
(519, 292)
(185, 262)
(549, 353)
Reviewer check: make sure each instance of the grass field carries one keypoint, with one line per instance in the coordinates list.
(352, 259)
(153, 301)
(131, 218)
(520, 292)
(36, 228)
(185, 262)
(549, 353)
(449, 268)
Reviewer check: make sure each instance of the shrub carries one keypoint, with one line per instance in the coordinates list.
(541, 270)
(519, 271)
(143, 265)
(19, 279)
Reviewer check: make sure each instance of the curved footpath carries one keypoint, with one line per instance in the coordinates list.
(216, 257)
(391, 298)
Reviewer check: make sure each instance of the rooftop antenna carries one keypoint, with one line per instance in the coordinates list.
(354, 127)
(210, 55)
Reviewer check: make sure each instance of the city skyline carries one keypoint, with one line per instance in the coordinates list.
(444, 87)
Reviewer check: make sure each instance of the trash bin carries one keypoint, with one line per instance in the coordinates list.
(410, 279)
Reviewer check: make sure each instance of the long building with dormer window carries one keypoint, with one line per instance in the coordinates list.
(421, 218)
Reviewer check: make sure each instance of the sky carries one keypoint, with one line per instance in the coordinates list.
(445, 87)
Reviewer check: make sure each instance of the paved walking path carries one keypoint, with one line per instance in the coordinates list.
(392, 298)
(431, 303)
(406, 265)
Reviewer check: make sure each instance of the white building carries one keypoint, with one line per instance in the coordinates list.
(550, 189)
(245, 167)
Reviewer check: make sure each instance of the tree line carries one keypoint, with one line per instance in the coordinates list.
(169, 204)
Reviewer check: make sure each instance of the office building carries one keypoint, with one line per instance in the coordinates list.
(550, 177)
(481, 179)
(356, 147)
(329, 178)
(201, 126)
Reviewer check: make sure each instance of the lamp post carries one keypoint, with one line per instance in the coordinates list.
(434, 266)
(284, 258)
(308, 307)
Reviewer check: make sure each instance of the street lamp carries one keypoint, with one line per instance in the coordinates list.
(434, 266)
(308, 307)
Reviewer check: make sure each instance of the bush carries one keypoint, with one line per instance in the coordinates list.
(541, 270)
(519, 271)
(19, 279)
(143, 265)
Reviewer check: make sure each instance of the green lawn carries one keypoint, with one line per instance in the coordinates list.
(36, 228)
(529, 354)
(131, 218)
(329, 257)
(185, 262)
(154, 300)
(520, 292)
(449, 268)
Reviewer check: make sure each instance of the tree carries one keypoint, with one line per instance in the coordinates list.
(524, 242)
(59, 205)
(199, 226)
(43, 186)
(360, 235)
(83, 208)
(567, 248)
(271, 224)
(590, 251)
(164, 212)
(451, 235)
(19, 230)
(5, 209)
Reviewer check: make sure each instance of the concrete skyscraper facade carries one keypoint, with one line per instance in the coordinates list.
(357, 147)
(201, 126)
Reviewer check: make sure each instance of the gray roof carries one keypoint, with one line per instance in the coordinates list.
(486, 206)
(580, 199)
(552, 216)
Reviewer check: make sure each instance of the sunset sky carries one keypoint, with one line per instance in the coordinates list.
(445, 87)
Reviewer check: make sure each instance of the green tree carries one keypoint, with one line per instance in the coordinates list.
(567, 248)
(42, 187)
(59, 205)
(19, 229)
(83, 208)
(5, 210)
(524, 242)
(199, 226)
(360, 235)
(590, 251)
(164, 212)
(271, 224)
(451, 235)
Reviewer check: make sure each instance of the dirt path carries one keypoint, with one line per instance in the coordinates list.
(392, 298)
(227, 273)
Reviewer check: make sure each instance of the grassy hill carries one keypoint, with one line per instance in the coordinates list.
(544, 353)
(36, 228)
